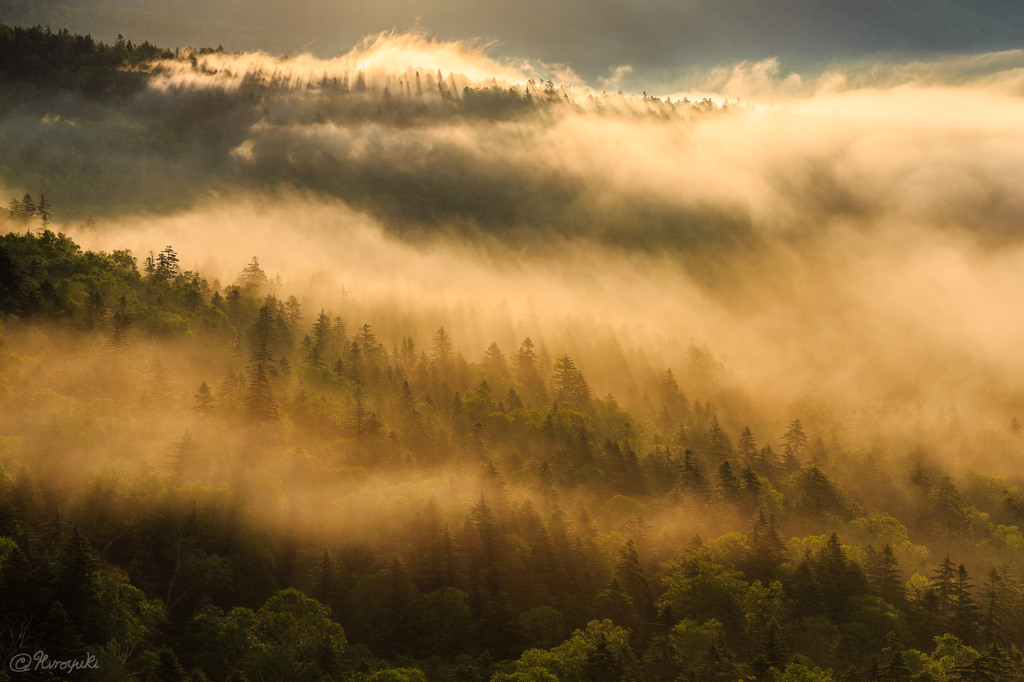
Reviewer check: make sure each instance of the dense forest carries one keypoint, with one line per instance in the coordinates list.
(215, 482)
(212, 471)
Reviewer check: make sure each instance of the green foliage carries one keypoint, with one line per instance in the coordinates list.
(600, 644)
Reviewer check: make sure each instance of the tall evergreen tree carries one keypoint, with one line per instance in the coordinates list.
(259, 403)
(795, 438)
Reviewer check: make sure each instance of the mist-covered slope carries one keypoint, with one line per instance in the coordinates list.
(421, 363)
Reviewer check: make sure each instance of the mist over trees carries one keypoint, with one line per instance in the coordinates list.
(213, 470)
(186, 464)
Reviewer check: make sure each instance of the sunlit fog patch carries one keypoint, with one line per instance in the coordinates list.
(799, 224)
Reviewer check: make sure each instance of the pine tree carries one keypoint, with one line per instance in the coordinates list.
(253, 275)
(95, 310)
(259, 404)
(44, 210)
(514, 401)
(715, 664)
(767, 550)
(324, 581)
(795, 438)
(884, 575)
(263, 330)
(996, 608)
(767, 460)
(633, 577)
(747, 447)
(991, 666)
(293, 313)
(944, 585)
(728, 484)
(719, 446)
(482, 520)
(693, 476)
(964, 611)
(166, 265)
(494, 360)
(568, 382)
(672, 397)
(442, 347)
(59, 637)
(75, 584)
(602, 665)
(321, 333)
(897, 671)
(357, 419)
(203, 403)
(947, 507)
(27, 208)
(368, 340)
(443, 563)
(14, 208)
(661, 662)
(185, 453)
(525, 363)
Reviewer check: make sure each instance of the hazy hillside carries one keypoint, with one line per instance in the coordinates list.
(417, 363)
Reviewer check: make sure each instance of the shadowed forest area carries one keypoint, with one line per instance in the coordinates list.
(212, 471)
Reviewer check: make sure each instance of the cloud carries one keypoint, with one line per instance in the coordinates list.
(861, 237)
(614, 81)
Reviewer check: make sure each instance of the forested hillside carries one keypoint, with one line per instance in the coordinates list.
(376, 368)
(216, 482)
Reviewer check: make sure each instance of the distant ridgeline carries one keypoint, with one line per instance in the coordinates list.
(108, 144)
(49, 60)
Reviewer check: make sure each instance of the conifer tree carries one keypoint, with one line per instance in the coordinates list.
(514, 401)
(28, 207)
(526, 373)
(44, 210)
(293, 313)
(767, 549)
(661, 662)
(494, 360)
(203, 403)
(185, 453)
(1015, 427)
(796, 439)
(996, 608)
(253, 275)
(728, 484)
(884, 575)
(747, 447)
(964, 611)
(947, 507)
(259, 403)
(166, 268)
(944, 585)
(719, 446)
(693, 476)
(442, 347)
